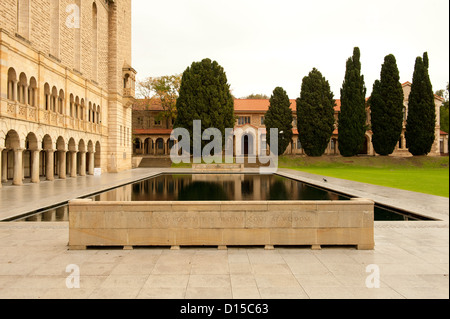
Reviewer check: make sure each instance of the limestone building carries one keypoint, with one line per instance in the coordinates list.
(152, 137)
(66, 88)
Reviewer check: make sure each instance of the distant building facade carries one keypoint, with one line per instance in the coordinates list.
(66, 88)
(152, 137)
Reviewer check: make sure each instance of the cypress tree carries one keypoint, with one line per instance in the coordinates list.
(205, 95)
(352, 119)
(386, 105)
(280, 116)
(420, 128)
(315, 114)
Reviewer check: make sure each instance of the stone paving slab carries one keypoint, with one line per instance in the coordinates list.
(413, 263)
(412, 256)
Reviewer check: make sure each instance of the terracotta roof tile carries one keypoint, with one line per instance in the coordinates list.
(152, 131)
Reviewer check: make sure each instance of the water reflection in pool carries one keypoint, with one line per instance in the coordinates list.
(217, 187)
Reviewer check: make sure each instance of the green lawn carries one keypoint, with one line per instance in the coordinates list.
(420, 174)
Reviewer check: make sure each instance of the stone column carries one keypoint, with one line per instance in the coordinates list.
(35, 166)
(83, 164)
(49, 168)
(91, 163)
(18, 167)
(62, 164)
(4, 176)
(73, 167)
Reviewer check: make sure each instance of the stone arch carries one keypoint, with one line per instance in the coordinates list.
(61, 104)
(32, 92)
(31, 142)
(90, 115)
(12, 79)
(98, 115)
(77, 108)
(148, 146)
(22, 88)
(82, 110)
(72, 146)
(71, 105)
(60, 144)
(47, 142)
(12, 140)
(54, 99)
(160, 146)
(81, 146)
(47, 95)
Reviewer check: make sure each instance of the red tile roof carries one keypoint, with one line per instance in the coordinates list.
(152, 131)
(443, 133)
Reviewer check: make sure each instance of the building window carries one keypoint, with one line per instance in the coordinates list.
(263, 120)
(156, 122)
(299, 144)
(244, 120)
(140, 121)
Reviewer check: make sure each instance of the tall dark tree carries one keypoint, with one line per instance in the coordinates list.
(280, 116)
(421, 124)
(352, 119)
(315, 114)
(205, 95)
(386, 105)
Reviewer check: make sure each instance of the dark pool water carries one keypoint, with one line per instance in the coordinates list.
(214, 187)
(217, 187)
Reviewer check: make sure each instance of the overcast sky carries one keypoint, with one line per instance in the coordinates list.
(263, 44)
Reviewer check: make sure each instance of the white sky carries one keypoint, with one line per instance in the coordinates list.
(263, 44)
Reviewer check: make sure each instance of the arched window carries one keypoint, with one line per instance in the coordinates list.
(12, 79)
(90, 112)
(82, 110)
(32, 90)
(47, 96)
(77, 106)
(23, 18)
(54, 28)
(61, 102)
(98, 114)
(72, 103)
(22, 89)
(94, 41)
(54, 99)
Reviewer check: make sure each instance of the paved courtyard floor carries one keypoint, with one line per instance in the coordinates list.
(412, 257)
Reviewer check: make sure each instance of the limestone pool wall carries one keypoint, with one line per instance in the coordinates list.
(222, 224)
